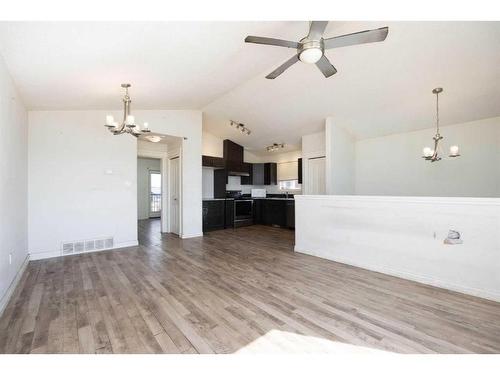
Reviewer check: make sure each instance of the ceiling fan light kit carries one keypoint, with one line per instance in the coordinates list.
(128, 124)
(311, 49)
(433, 154)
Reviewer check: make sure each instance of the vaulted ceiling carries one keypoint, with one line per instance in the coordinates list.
(381, 88)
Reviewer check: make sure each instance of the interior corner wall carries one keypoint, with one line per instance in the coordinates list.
(13, 186)
(392, 165)
(340, 163)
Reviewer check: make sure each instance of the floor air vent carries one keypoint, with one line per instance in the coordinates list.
(80, 246)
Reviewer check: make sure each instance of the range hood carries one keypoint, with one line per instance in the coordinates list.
(233, 159)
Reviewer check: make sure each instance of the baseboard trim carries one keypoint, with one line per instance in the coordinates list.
(57, 253)
(481, 293)
(186, 236)
(4, 301)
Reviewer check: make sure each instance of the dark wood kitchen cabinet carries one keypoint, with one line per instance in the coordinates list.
(220, 181)
(229, 219)
(233, 152)
(212, 161)
(290, 214)
(258, 174)
(274, 212)
(257, 211)
(263, 174)
(270, 173)
(213, 215)
(248, 180)
(299, 170)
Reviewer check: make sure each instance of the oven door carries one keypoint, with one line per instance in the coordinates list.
(243, 212)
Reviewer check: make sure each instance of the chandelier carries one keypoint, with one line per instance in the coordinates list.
(433, 154)
(128, 124)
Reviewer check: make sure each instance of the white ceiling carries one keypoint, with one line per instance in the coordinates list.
(379, 89)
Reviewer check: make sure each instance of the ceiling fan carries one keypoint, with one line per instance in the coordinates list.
(311, 49)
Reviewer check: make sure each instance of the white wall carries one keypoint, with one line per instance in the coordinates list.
(403, 236)
(393, 165)
(71, 194)
(13, 186)
(144, 165)
(82, 181)
(212, 145)
(340, 159)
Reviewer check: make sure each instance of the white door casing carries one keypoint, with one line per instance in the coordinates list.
(174, 194)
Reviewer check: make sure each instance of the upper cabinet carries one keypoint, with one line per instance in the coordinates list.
(270, 173)
(232, 152)
(299, 171)
(212, 161)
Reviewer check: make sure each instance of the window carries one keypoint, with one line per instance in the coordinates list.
(289, 185)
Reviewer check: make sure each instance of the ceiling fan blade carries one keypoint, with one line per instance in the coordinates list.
(316, 29)
(276, 72)
(326, 67)
(361, 37)
(272, 41)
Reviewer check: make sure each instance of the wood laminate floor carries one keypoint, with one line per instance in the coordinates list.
(242, 290)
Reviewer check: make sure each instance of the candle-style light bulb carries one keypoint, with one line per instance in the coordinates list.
(130, 120)
(109, 120)
(427, 152)
(454, 151)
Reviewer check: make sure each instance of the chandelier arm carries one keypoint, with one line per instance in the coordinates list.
(436, 143)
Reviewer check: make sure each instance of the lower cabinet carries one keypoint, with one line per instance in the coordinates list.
(274, 212)
(290, 214)
(229, 219)
(219, 214)
(213, 215)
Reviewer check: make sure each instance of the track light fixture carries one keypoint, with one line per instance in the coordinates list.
(242, 128)
(275, 147)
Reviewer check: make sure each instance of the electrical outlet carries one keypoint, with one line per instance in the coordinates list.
(10, 259)
(434, 235)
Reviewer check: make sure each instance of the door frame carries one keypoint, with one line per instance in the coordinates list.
(171, 157)
(165, 188)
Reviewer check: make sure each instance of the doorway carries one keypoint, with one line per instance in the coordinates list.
(159, 196)
(316, 176)
(149, 188)
(155, 194)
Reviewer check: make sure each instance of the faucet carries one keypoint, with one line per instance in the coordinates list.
(286, 194)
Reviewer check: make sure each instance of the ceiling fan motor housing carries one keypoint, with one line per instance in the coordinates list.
(312, 45)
